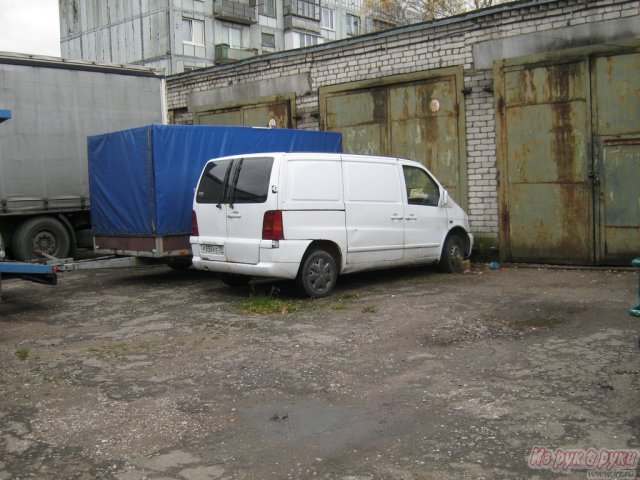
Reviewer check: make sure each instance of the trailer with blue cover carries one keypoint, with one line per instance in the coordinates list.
(142, 180)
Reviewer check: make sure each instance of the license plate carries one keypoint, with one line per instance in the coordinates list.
(211, 249)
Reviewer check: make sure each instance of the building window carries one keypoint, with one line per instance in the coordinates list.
(268, 7)
(327, 20)
(268, 40)
(306, 39)
(193, 31)
(353, 25)
(232, 36)
(308, 8)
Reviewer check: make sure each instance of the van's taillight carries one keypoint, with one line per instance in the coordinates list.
(272, 228)
(194, 224)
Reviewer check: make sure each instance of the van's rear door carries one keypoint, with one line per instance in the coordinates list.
(211, 210)
(252, 193)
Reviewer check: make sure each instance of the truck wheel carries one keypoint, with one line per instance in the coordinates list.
(40, 233)
(235, 280)
(318, 274)
(453, 248)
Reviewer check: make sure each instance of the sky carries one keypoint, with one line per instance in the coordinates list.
(30, 26)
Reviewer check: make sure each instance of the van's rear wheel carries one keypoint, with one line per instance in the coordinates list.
(452, 251)
(318, 274)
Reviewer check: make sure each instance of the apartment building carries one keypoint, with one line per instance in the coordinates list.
(182, 35)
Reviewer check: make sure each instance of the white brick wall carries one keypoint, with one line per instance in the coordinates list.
(412, 49)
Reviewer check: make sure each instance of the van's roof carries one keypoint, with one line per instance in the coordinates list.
(320, 155)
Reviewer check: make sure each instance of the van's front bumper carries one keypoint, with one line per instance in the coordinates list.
(282, 261)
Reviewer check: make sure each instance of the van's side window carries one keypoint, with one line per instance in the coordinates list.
(252, 184)
(421, 188)
(211, 187)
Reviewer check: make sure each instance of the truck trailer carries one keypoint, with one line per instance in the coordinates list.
(54, 106)
(142, 181)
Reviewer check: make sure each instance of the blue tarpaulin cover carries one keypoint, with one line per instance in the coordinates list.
(142, 180)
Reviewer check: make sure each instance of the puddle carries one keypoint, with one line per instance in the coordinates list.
(323, 427)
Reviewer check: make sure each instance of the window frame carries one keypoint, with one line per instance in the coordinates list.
(431, 198)
(190, 29)
(303, 37)
(228, 27)
(332, 16)
(262, 35)
(263, 11)
(353, 21)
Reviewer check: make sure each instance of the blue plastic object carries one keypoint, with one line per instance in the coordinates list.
(142, 180)
(494, 265)
(5, 115)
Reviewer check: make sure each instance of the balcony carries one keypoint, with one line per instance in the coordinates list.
(302, 15)
(226, 54)
(238, 12)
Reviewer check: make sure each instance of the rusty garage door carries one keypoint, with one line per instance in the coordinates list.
(568, 157)
(616, 99)
(418, 116)
(275, 112)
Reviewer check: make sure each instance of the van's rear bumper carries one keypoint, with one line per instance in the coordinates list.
(262, 269)
(281, 262)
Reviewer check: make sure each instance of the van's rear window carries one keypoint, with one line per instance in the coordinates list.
(252, 182)
(242, 180)
(211, 187)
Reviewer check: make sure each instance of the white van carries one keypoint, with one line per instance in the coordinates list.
(313, 216)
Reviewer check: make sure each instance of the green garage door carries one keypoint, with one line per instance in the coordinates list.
(569, 159)
(420, 117)
(274, 113)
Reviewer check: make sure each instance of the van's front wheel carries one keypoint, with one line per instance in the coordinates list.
(452, 251)
(318, 274)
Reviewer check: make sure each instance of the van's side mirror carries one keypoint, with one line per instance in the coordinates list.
(444, 198)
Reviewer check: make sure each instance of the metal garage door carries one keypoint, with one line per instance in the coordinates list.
(419, 117)
(569, 159)
(616, 98)
(275, 113)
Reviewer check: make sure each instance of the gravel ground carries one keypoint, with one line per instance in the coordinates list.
(151, 373)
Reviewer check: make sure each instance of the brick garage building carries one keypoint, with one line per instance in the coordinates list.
(528, 112)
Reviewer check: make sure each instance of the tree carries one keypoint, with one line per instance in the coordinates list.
(386, 13)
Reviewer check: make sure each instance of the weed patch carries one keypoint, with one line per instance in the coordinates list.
(22, 353)
(264, 305)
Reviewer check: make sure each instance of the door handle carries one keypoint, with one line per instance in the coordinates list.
(396, 217)
(234, 215)
(594, 178)
(412, 217)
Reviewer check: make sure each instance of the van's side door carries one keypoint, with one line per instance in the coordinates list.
(374, 210)
(250, 196)
(425, 220)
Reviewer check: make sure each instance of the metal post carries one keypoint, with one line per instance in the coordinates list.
(635, 311)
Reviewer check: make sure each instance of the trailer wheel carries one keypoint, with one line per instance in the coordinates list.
(40, 233)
